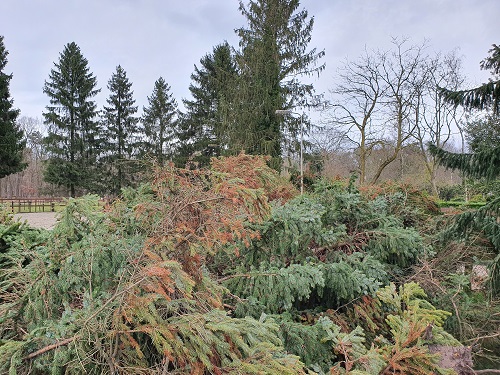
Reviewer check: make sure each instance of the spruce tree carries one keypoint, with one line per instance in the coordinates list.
(121, 132)
(159, 121)
(202, 131)
(273, 56)
(71, 117)
(11, 136)
(483, 162)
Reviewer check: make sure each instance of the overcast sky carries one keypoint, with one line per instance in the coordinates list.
(153, 38)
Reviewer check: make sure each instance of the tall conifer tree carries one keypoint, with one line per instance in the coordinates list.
(121, 132)
(273, 56)
(483, 162)
(202, 132)
(159, 121)
(71, 117)
(11, 136)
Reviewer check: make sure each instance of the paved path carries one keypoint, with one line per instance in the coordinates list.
(45, 220)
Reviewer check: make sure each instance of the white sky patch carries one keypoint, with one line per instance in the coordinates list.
(153, 38)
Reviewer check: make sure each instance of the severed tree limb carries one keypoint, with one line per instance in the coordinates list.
(51, 347)
(496, 334)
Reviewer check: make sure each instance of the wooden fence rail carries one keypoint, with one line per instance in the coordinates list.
(18, 205)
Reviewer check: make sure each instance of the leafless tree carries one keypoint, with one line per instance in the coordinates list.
(354, 112)
(387, 100)
(403, 71)
(29, 182)
(435, 119)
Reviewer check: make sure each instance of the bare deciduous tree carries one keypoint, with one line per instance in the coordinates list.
(403, 72)
(29, 182)
(437, 119)
(388, 100)
(354, 109)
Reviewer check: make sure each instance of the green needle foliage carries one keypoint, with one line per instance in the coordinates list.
(159, 121)
(484, 162)
(11, 137)
(481, 164)
(123, 289)
(71, 142)
(273, 56)
(396, 342)
(203, 130)
(201, 272)
(121, 132)
(486, 96)
(322, 250)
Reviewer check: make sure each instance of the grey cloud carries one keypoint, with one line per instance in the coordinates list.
(150, 38)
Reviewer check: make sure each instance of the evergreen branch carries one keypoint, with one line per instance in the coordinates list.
(245, 275)
(196, 202)
(481, 98)
(112, 298)
(485, 163)
(51, 347)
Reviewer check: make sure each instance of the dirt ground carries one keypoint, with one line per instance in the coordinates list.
(45, 220)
